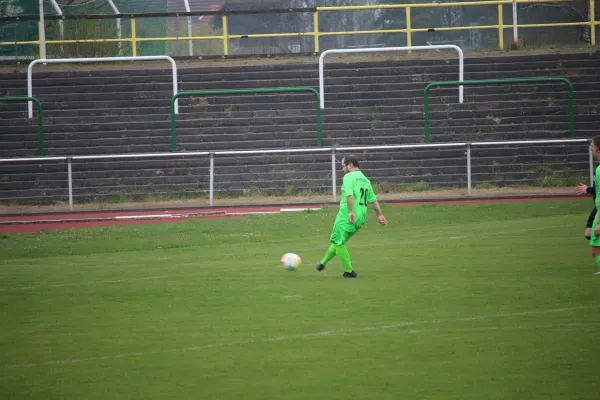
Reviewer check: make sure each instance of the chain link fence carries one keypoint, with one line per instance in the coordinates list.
(162, 35)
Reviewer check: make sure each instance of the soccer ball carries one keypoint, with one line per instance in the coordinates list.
(290, 261)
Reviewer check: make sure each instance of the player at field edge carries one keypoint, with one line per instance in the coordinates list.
(595, 239)
(357, 194)
(583, 189)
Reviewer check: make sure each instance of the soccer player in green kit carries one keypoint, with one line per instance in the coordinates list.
(595, 239)
(357, 194)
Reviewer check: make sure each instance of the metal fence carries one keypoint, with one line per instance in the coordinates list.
(332, 151)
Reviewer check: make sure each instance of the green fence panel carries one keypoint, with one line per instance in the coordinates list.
(40, 117)
(242, 91)
(499, 82)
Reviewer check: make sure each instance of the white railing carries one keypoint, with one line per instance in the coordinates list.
(333, 150)
(99, 59)
(461, 62)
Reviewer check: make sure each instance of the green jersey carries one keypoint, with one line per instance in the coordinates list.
(355, 184)
(595, 241)
(597, 199)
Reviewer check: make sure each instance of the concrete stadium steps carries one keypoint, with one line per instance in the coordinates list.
(447, 117)
(374, 72)
(33, 183)
(332, 66)
(368, 103)
(231, 116)
(237, 121)
(401, 81)
(376, 132)
(356, 86)
(149, 90)
(222, 146)
(255, 103)
(345, 107)
(453, 120)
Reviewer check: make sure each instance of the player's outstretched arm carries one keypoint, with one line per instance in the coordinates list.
(581, 189)
(380, 216)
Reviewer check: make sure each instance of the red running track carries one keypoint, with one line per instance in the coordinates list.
(39, 222)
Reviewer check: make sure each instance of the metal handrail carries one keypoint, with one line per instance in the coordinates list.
(461, 61)
(241, 91)
(98, 59)
(500, 82)
(40, 116)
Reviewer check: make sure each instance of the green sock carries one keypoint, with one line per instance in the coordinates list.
(329, 255)
(598, 263)
(344, 256)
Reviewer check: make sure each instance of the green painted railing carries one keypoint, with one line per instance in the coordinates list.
(500, 82)
(40, 117)
(242, 91)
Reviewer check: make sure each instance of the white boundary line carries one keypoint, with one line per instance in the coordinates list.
(357, 331)
(191, 215)
(484, 329)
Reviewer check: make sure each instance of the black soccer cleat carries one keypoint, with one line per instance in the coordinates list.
(352, 274)
(320, 267)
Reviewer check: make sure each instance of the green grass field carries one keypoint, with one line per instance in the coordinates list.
(452, 302)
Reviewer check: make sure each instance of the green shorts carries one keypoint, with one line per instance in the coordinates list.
(339, 235)
(594, 241)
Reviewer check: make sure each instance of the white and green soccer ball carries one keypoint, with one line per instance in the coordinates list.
(290, 261)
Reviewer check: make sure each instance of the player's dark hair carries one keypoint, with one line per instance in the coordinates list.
(596, 141)
(352, 160)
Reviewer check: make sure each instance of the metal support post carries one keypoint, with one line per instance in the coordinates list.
(591, 160)
(211, 189)
(333, 175)
(42, 29)
(189, 28)
(515, 24)
(70, 178)
(469, 184)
